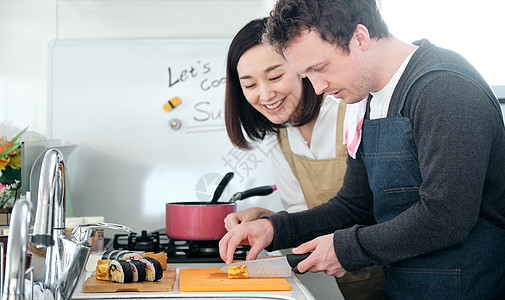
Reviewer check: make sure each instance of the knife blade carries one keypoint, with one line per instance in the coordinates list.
(272, 266)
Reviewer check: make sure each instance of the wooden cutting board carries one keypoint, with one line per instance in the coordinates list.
(213, 280)
(165, 284)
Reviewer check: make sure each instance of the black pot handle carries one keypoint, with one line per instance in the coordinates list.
(257, 191)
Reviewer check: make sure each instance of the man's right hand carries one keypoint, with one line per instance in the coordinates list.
(258, 234)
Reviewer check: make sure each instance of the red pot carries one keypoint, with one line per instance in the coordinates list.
(196, 221)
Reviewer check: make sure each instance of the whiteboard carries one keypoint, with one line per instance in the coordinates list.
(107, 97)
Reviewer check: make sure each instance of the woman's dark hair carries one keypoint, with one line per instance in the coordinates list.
(239, 114)
(335, 20)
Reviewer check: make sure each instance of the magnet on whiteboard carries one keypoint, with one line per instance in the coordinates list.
(172, 103)
(175, 124)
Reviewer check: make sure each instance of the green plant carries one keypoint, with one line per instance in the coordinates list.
(10, 169)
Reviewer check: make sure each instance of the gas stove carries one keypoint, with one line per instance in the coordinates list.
(178, 251)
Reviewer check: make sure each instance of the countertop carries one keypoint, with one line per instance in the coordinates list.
(298, 291)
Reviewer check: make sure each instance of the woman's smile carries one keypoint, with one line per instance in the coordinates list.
(272, 108)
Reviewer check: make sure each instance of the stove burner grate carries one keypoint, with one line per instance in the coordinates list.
(177, 250)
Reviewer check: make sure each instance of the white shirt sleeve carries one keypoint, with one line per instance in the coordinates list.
(289, 188)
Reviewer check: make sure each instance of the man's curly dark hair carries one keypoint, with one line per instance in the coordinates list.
(335, 20)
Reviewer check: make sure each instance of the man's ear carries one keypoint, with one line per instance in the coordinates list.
(362, 37)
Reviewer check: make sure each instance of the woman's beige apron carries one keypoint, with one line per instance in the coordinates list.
(320, 180)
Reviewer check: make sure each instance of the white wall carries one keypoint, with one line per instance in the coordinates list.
(26, 27)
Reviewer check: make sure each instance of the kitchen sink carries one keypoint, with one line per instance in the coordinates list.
(205, 296)
(259, 297)
(216, 296)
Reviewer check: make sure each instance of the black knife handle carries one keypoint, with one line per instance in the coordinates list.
(295, 259)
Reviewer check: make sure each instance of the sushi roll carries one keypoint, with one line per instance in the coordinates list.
(139, 270)
(160, 256)
(120, 271)
(106, 254)
(117, 254)
(130, 255)
(153, 268)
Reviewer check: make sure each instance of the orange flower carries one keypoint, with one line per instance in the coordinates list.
(5, 144)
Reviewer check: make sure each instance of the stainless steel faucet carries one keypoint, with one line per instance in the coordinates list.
(14, 282)
(66, 257)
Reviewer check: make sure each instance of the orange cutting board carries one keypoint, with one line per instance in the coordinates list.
(165, 284)
(213, 280)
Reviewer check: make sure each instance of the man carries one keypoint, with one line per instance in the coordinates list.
(424, 191)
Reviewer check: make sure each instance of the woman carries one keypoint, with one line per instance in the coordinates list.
(265, 97)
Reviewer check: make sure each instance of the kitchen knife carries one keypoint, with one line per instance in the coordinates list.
(272, 266)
